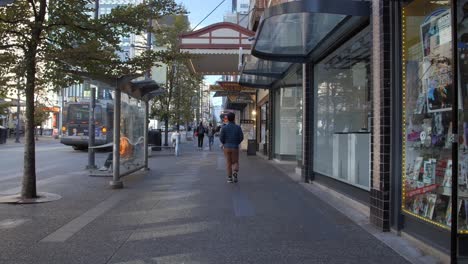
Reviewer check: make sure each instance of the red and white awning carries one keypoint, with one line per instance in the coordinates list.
(217, 48)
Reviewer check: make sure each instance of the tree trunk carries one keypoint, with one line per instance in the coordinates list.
(166, 123)
(29, 174)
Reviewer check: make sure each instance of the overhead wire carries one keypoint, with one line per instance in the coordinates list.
(208, 14)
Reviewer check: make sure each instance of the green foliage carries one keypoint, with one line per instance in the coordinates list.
(4, 107)
(49, 44)
(181, 85)
(71, 42)
(40, 114)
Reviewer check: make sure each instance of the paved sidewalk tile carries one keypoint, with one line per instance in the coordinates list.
(183, 211)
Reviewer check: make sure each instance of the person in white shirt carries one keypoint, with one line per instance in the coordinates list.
(175, 138)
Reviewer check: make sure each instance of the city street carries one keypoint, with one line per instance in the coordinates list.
(181, 211)
(54, 161)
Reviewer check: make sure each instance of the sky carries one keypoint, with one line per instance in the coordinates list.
(198, 9)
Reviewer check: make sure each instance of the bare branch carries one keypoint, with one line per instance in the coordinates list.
(33, 4)
(14, 22)
(9, 46)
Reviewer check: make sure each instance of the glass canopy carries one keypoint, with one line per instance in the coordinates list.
(256, 81)
(289, 32)
(256, 66)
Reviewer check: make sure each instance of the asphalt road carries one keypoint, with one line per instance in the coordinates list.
(54, 161)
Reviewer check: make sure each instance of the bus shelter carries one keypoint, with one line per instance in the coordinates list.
(130, 127)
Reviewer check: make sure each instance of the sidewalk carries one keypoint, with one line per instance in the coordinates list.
(41, 140)
(183, 211)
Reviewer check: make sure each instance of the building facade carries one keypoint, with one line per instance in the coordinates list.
(369, 99)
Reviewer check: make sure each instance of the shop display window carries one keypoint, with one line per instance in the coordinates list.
(288, 118)
(427, 114)
(462, 36)
(342, 112)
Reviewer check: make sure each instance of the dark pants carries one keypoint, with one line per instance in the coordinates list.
(108, 161)
(200, 141)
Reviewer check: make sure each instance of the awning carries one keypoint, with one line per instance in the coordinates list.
(217, 48)
(230, 87)
(292, 31)
(256, 81)
(267, 68)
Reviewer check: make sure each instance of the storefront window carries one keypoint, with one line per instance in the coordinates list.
(287, 102)
(342, 113)
(264, 128)
(463, 116)
(299, 117)
(427, 111)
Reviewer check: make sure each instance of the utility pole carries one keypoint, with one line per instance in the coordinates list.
(61, 112)
(92, 106)
(177, 87)
(147, 77)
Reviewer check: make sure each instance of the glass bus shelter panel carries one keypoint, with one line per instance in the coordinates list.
(131, 134)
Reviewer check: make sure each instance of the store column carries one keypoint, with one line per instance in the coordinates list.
(270, 124)
(381, 121)
(308, 122)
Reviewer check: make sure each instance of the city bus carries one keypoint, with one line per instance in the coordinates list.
(76, 124)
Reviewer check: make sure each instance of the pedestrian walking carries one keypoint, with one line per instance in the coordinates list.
(175, 138)
(211, 133)
(231, 136)
(200, 133)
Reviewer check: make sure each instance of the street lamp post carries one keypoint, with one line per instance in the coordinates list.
(92, 106)
(61, 113)
(147, 77)
(91, 131)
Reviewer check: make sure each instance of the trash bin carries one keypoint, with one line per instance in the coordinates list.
(3, 135)
(252, 147)
(154, 139)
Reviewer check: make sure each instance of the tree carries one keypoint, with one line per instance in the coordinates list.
(181, 84)
(57, 42)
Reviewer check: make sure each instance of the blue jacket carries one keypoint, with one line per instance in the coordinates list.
(231, 135)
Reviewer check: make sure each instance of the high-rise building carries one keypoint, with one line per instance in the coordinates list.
(240, 6)
(127, 43)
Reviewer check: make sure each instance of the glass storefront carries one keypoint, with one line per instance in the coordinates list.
(288, 118)
(427, 111)
(462, 36)
(264, 128)
(342, 112)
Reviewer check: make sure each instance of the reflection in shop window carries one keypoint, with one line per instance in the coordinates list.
(342, 114)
